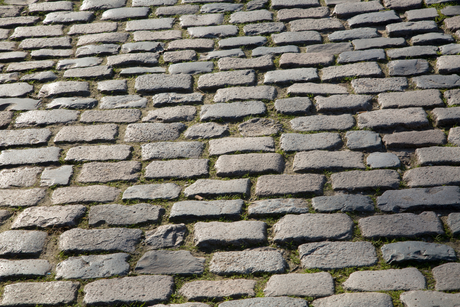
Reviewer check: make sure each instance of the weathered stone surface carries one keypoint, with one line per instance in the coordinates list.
(373, 19)
(320, 159)
(97, 240)
(24, 268)
(242, 93)
(21, 198)
(437, 156)
(170, 263)
(166, 236)
(359, 180)
(234, 42)
(323, 122)
(429, 298)
(379, 85)
(421, 98)
(111, 116)
(446, 116)
(30, 156)
(26, 137)
(121, 215)
(5, 118)
(315, 284)
(266, 301)
(232, 145)
(203, 289)
(291, 75)
(64, 88)
(293, 106)
(304, 142)
(206, 209)
(322, 24)
(304, 37)
(408, 67)
(364, 55)
(432, 176)
(386, 280)
(347, 35)
(401, 225)
(343, 103)
(263, 28)
(171, 114)
(344, 203)
(432, 39)
(337, 255)
(436, 81)
(98, 153)
(247, 262)
(172, 150)
(232, 111)
(152, 191)
(453, 221)
(191, 68)
(415, 138)
(355, 299)
(206, 131)
(446, 276)
(177, 169)
(213, 31)
(382, 160)
(55, 216)
(68, 17)
(313, 227)
(87, 133)
(223, 79)
(176, 98)
(49, 117)
(236, 233)
(128, 290)
(370, 69)
(146, 132)
(161, 83)
(238, 165)
(384, 119)
(252, 16)
(413, 51)
(418, 251)
(56, 176)
(93, 266)
(88, 194)
(237, 52)
(15, 89)
(40, 293)
(271, 185)
(359, 140)
(259, 127)
(22, 242)
(305, 60)
(277, 206)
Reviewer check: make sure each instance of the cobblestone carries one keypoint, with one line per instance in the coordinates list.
(418, 251)
(170, 263)
(247, 262)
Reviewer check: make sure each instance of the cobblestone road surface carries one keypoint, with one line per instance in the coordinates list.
(230, 153)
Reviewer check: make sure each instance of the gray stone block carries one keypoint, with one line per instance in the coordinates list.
(293, 106)
(453, 221)
(411, 28)
(344, 103)
(152, 191)
(413, 51)
(224, 234)
(373, 19)
(19, 177)
(264, 63)
(166, 262)
(357, 299)
(64, 88)
(343, 202)
(252, 164)
(272, 185)
(93, 50)
(87, 194)
(24, 268)
(245, 93)
(172, 150)
(286, 15)
(162, 83)
(315, 284)
(68, 17)
(385, 119)
(379, 85)
(432, 176)
(417, 251)
(15, 89)
(122, 215)
(79, 240)
(40, 43)
(446, 276)
(304, 37)
(98, 153)
(364, 55)
(304, 142)
(337, 255)
(54, 216)
(72, 103)
(22, 242)
(344, 10)
(437, 156)
(21, 198)
(26, 137)
(190, 168)
(237, 52)
(30, 156)
(318, 160)
(259, 127)
(171, 114)
(401, 225)
(112, 116)
(446, 116)
(334, 49)
(421, 98)
(123, 101)
(206, 131)
(415, 139)
(220, 7)
(248, 262)
(252, 16)
(93, 266)
(40, 293)
(49, 117)
(233, 145)
(429, 298)
(92, 28)
(191, 68)
(206, 209)
(379, 42)
(432, 39)
(128, 290)
(267, 301)
(386, 280)
(323, 122)
(223, 79)
(277, 206)
(165, 236)
(176, 98)
(291, 75)
(382, 160)
(232, 111)
(362, 180)
(321, 24)
(234, 42)
(263, 28)
(408, 67)
(125, 13)
(305, 60)
(204, 290)
(98, 133)
(146, 132)
(279, 4)
(347, 35)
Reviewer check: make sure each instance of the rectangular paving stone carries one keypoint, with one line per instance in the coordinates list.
(312, 227)
(56, 176)
(190, 168)
(432, 176)
(87, 194)
(24, 137)
(437, 156)
(321, 24)
(323, 122)
(359, 180)
(421, 98)
(445, 276)
(121, 215)
(53, 216)
(305, 59)
(92, 28)
(347, 35)
(128, 290)
(234, 42)
(167, 262)
(87, 133)
(203, 289)
(49, 117)
(232, 145)
(15, 89)
(36, 31)
(238, 165)
(97, 172)
(106, 38)
(40, 293)
(384, 119)
(22, 242)
(304, 142)
(272, 185)
(294, 106)
(223, 79)
(21, 198)
(318, 160)
(98, 153)
(110, 116)
(230, 209)
(345, 10)
(97, 240)
(160, 83)
(364, 55)
(437, 81)
(446, 116)
(237, 52)
(251, 16)
(24, 268)
(316, 89)
(171, 150)
(152, 191)
(343, 202)
(19, 177)
(263, 62)
(7, 22)
(413, 51)
(373, 19)
(379, 85)
(277, 206)
(235, 233)
(335, 48)
(407, 225)
(295, 284)
(247, 262)
(30, 156)
(157, 35)
(67, 17)
(171, 235)
(286, 15)
(208, 187)
(408, 67)
(452, 97)
(232, 111)
(145, 132)
(304, 37)
(418, 251)
(337, 255)
(64, 88)
(213, 31)
(415, 139)
(419, 198)
(333, 73)
(343, 103)
(403, 4)
(291, 75)
(411, 28)
(364, 299)
(379, 42)
(244, 93)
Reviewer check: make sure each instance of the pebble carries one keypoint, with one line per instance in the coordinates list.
(248, 262)
(417, 251)
(55, 216)
(166, 262)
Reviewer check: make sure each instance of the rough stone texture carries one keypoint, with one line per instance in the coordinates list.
(98, 240)
(272, 185)
(355, 299)
(22, 242)
(177, 169)
(304, 142)
(344, 203)
(432, 176)
(93, 266)
(386, 280)
(232, 145)
(238, 165)
(377, 85)
(401, 225)
(236, 233)
(277, 206)
(267, 302)
(243, 93)
(316, 285)
(203, 289)
(88, 194)
(445, 276)
(453, 221)
(172, 150)
(166, 236)
(415, 139)
(40, 293)
(337, 255)
(247, 262)
(312, 227)
(170, 263)
(232, 111)
(152, 191)
(122, 215)
(323, 122)
(98, 153)
(19, 177)
(146, 132)
(206, 209)
(21, 198)
(127, 290)
(429, 298)
(30, 156)
(418, 251)
(359, 180)
(55, 216)
(320, 160)
(422, 98)
(24, 268)
(383, 119)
